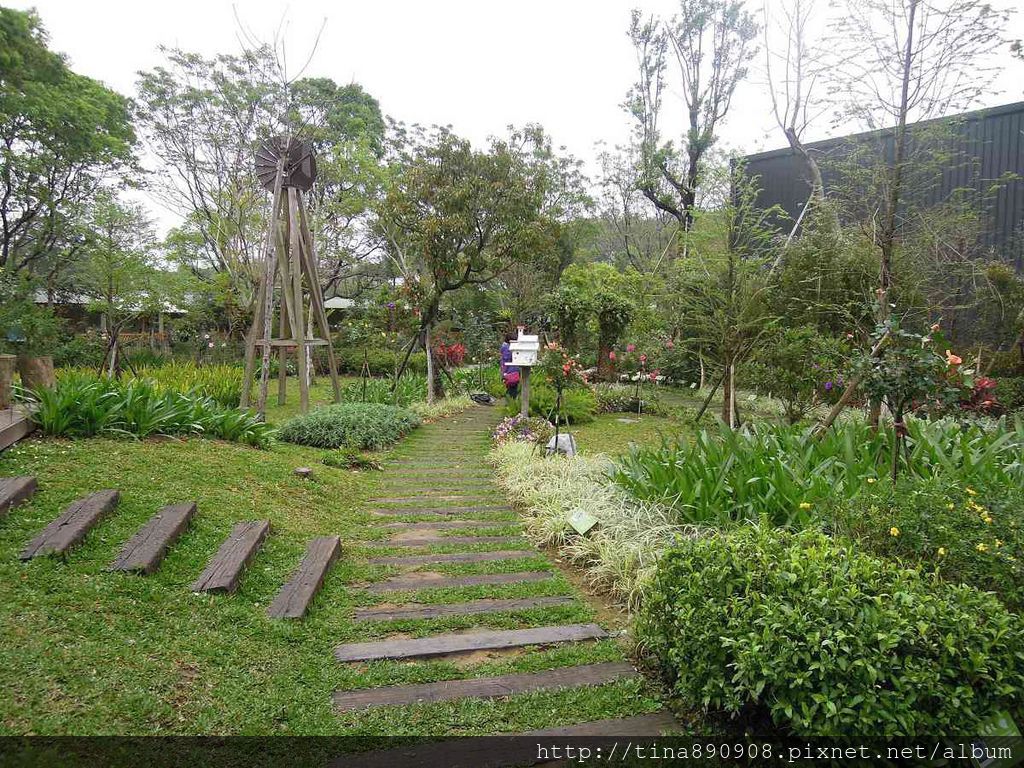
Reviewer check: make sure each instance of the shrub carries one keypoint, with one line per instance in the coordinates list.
(578, 405)
(479, 379)
(382, 362)
(962, 534)
(831, 643)
(83, 405)
(621, 398)
(1010, 392)
(86, 350)
(800, 367)
(350, 459)
(350, 425)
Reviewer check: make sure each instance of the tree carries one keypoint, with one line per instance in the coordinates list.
(119, 274)
(905, 61)
(454, 217)
(794, 66)
(712, 43)
(599, 294)
(61, 134)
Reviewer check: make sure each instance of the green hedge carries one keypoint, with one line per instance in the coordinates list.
(350, 425)
(827, 641)
(970, 536)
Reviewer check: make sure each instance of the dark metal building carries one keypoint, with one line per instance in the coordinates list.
(980, 154)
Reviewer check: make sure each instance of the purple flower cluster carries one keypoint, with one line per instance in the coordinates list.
(516, 429)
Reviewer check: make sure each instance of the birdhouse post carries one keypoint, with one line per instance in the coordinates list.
(524, 350)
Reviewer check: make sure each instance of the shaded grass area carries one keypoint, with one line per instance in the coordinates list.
(86, 651)
(613, 433)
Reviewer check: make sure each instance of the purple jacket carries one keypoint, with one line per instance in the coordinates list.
(506, 360)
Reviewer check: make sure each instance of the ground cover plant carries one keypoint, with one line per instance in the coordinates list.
(350, 425)
(88, 405)
(828, 641)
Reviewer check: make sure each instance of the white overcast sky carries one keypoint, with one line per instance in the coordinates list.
(477, 65)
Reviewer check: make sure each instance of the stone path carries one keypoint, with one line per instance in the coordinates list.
(440, 531)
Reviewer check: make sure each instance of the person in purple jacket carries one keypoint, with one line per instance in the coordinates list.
(509, 372)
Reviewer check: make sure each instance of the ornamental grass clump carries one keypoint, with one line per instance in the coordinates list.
(620, 553)
(368, 426)
(827, 641)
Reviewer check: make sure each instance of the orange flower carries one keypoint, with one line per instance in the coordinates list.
(952, 359)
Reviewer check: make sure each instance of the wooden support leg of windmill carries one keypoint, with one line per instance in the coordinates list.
(287, 167)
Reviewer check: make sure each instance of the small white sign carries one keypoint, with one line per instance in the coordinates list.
(582, 522)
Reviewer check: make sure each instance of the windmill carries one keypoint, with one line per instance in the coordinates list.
(286, 167)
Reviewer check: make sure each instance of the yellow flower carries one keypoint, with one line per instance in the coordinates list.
(983, 547)
(999, 543)
(871, 480)
(986, 518)
(805, 505)
(951, 505)
(942, 551)
(894, 531)
(971, 491)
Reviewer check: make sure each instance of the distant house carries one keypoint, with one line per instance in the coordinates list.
(76, 309)
(977, 149)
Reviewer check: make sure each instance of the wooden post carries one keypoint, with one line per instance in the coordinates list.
(524, 391)
(317, 299)
(261, 317)
(297, 316)
(282, 357)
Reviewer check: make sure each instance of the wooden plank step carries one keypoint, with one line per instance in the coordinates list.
(433, 541)
(225, 568)
(428, 580)
(485, 687)
(507, 751)
(440, 645)
(469, 608)
(144, 551)
(453, 557)
(425, 496)
(15, 491)
(295, 596)
(441, 525)
(441, 511)
(70, 528)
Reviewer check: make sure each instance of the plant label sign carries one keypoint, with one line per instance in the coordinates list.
(999, 747)
(582, 522)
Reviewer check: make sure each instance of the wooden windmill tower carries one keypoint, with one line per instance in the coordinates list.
(287, 168)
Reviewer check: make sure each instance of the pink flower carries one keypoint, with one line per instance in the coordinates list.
(653, 375)
(643, 358)
(670, 344)
(631, 347)
(611, 355)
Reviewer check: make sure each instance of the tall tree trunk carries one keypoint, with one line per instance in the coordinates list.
(430, 365)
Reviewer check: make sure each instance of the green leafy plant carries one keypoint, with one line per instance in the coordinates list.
(829, 642)
(622, 398)
(785, 475)
(84, 405)
(369, 426)
(578, 405)
(800, 367)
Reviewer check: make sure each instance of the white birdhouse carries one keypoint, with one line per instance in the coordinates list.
(525, 349)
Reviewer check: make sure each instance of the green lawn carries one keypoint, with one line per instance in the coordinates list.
(613, 433)
(86, 651)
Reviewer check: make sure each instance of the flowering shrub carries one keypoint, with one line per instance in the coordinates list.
(520, 429)
(450, 355)
(963, 533)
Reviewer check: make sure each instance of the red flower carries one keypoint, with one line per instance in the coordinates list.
(630, 347)
(643, 358)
